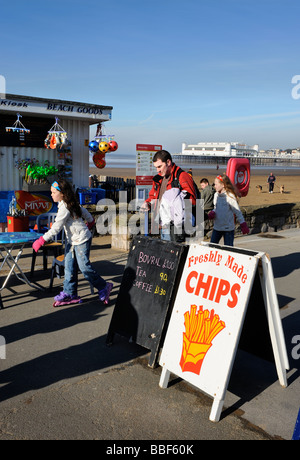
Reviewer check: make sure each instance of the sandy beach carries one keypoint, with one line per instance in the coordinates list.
(289, 178)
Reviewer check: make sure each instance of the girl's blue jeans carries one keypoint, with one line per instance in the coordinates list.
(165, 234)
(78, 257)
(228, 237)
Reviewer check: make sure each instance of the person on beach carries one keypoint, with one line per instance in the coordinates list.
(207, 193)
(71, 217)
(167, 178)
(271, 182)
(226, 208)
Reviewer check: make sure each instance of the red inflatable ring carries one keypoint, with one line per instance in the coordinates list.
(238, 171)
(99, 160)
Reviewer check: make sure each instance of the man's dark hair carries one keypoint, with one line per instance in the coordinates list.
(204, 181)
(162, 155)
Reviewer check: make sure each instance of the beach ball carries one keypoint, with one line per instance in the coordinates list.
(103, 147)
(113, 146)
(94, 146)
(99, 160)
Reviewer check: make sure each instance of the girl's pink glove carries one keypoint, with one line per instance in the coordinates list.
(244, 228)
(90, 225)
(38, 243)
(211, 215)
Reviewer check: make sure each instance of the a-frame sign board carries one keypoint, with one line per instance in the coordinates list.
(147, 293)
(208, 317)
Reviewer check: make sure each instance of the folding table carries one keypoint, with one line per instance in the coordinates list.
(9, 241)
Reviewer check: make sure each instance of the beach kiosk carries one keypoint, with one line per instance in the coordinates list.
(50, 132)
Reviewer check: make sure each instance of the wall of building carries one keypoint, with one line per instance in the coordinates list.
(78, 133)
(10, 176)
(39, 116)
(219, 149)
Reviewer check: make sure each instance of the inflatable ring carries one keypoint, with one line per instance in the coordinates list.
(99, 160)
(53, 142)
(238, 171)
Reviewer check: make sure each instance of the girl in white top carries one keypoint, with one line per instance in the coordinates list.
(71, 216)
(226, 208)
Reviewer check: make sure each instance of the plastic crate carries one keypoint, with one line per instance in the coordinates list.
(17, 224)
(100, 192)
(87, 197)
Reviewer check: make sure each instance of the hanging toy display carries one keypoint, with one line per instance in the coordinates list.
(57, 137)
(100, 145)
(101, 137)
(18, 127)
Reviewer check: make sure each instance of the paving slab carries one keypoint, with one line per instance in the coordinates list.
(60, 381)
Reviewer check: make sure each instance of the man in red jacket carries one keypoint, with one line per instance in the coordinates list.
(166, 178)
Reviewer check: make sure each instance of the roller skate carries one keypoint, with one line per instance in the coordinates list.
(66, 299)
(105, 293)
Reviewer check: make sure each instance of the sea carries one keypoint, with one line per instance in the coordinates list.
(119, 160)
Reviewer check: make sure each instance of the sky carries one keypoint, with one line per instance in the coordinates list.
(174, 71)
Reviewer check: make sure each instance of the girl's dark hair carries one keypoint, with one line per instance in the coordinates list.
(70, 198)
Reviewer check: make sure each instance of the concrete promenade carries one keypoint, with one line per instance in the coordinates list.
(60, 381)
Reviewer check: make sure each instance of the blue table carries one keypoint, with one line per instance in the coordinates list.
(8, 242)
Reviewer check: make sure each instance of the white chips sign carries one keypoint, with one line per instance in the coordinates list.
(207, 317)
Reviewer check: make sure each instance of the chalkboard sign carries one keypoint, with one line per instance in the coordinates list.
(147, 292)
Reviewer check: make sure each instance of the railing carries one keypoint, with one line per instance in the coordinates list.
(113, 185)
(223, 159)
